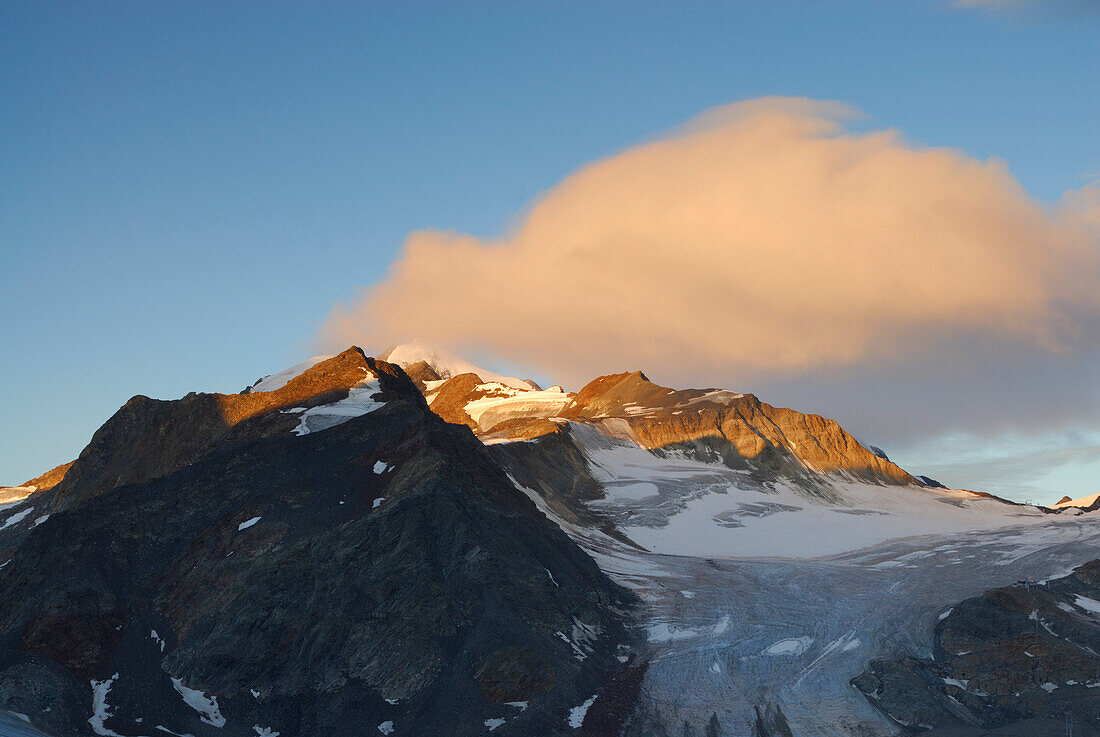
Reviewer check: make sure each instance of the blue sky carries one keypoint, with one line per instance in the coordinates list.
(186, 188)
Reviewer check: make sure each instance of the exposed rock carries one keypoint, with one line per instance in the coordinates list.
(1025, 652)
(422, 372)
(733, 426)
(148, 438)
(382, 570)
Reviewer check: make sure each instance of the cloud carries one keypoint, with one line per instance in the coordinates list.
(767, 246)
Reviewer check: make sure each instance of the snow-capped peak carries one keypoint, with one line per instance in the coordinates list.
(1083, 502)
(447, 364)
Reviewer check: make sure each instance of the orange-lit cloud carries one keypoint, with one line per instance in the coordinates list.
(762, 240)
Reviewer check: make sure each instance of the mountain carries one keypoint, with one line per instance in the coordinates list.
(307, 561)
(445, 364)
(1019, 660)
(419, 546)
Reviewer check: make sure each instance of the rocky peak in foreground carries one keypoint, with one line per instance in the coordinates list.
(148, 438)
(327, 557)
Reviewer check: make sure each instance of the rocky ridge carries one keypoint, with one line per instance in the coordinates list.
(210, 569)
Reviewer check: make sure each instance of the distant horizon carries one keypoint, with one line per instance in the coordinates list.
(888, 215)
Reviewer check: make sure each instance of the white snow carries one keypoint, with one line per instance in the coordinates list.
(378, 502)
(279, 380)
(946, 614)
(386, 727)
(446, 364)
(1049, 687)
(494, 723)
(264, 731)
(1085, 501)
(248, 523)
(40, 520)
(718, 396)
(156, 638)
(360, 401)
(254, 692)
(664, 632)
(789, 646)
(506, 403)
(379, 466)
(521, 705)
(165, 729)
(1089, 605)
(680, 506)
(206, 706)
(101, 712)
(576, 714)
(16, 518)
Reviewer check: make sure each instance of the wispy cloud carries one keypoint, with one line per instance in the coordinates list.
(766, 246)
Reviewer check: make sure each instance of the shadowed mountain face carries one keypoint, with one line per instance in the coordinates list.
(311, 561)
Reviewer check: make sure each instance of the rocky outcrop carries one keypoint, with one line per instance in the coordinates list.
(734, 427)
(1010, 660)
(45, 482)
(383, 575)
(148, 438)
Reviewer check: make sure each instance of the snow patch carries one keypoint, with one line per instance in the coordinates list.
(360, 401)
(264, 731)
(40, 520)
(494, 723)
(576, 714)
(248, 523)
(101, 712)
(664, 632)
(279, 380)
(206, 706)
(386, 727)
(1089, 605)
(16, 518)
(789, 646)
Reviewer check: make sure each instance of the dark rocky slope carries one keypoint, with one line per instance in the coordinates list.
(394, 579)
(1021, 660)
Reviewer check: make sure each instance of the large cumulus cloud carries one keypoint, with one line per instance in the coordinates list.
(767, 245)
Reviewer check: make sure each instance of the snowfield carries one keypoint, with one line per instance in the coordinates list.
(795, 589)
(681, 506)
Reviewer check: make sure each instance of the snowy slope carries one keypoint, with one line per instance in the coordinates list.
(671, 504)
(500, 403)
(279, 380)
(1085, 501)
(447, 364)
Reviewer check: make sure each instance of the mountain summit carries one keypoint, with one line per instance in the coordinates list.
(420, 546)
